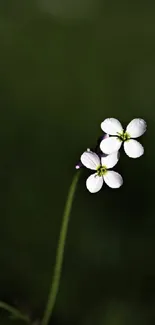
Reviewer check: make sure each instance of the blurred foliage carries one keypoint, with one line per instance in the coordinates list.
(7, 320)
(61, 75)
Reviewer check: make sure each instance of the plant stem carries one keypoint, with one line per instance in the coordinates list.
(60, 253)
(14, 312)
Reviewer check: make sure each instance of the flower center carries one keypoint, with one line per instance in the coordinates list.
(101, 170)
(124, 136)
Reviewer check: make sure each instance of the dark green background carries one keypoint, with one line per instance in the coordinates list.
(63, 70)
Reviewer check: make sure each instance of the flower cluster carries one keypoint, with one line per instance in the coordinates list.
(107, 157)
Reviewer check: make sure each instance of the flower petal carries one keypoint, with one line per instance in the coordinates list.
(90, 160)
(111, 126)
(94, 183)
(136, 128)
(110, 145)
(133, 148)
(110, 160)
(113, 179)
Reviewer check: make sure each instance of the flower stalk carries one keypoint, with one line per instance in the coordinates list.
(60, 253)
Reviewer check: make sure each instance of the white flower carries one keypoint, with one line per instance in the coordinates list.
(134, 130)
(101, 165)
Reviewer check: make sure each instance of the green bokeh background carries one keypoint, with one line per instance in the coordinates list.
(64, 67)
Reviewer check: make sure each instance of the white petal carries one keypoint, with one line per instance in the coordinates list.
(136, 128)
(110, 160)
(133, 148)
(111, 126)
(110, 145)
(90, 160)
(113, 179)
(94, 183)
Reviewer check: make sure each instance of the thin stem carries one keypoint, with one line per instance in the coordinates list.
(60, 253)
(14, 312)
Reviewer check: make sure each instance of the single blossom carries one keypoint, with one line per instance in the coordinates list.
(118, 136)
(102, 173)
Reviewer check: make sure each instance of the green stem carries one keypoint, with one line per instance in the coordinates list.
(60, 253)
(14, 312)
